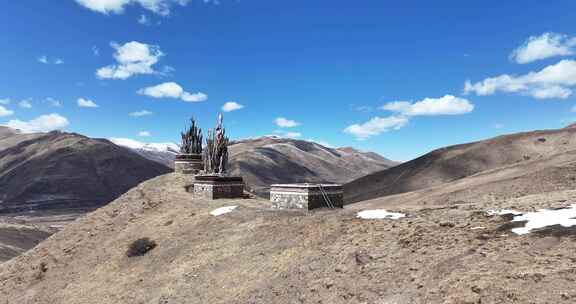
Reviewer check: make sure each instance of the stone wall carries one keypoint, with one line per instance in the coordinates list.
(306, 196)
(188, 163)
(217, 188)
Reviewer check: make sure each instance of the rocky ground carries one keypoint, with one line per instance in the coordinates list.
(442, 253)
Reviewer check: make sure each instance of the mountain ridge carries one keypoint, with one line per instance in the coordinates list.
(66, 170)
(455, 162)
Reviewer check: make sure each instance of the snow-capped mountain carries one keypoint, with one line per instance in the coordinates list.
(160, 152)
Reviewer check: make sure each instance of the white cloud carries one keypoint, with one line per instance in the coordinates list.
(286, 123)
(132, 58)
(5, 112)
(172, 90)
(45, 60)
(5, 101)
(44, 123)
(96, 51)
(231, 106)
(86, 103)
(447, 105)
(144, 134)
(160, 7)
(376, 125)
(554, 81)
(26, 104)
(194, 97)
(140, 113)
(544, 46)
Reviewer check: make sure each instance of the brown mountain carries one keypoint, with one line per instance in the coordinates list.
(66, 171)
(270, 160)
(523, 151)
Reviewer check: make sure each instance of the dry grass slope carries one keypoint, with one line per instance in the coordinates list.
(522, 150)
(258, 255)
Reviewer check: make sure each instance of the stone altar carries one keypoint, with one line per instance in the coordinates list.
(307, 196)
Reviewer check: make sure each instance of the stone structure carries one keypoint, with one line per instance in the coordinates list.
(307, 196)
(214, 182)
(216, 187)
(189, 160)
(188, 163)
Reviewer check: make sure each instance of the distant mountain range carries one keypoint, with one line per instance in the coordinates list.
(163, 153)
(270, 160)
(59, 170)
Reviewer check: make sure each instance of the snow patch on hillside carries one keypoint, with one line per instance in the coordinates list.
(223, 210)
(380, 214)
(542, 218)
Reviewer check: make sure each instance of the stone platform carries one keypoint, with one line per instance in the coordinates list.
(216, 187)
(188, 163)
(307, 196)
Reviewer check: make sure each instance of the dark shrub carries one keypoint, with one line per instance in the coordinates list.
(140, 247)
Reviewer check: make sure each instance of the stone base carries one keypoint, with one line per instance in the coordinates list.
(216, 187)
(306, 196)
(188, 163)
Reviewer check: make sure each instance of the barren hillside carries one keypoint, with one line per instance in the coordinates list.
(446, 254)
(270, 160)
(59, 170)
(456, 162)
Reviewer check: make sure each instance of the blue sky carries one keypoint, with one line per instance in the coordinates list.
(373, 74)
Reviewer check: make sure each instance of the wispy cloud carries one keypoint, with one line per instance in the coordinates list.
(86, 103)
(144, 134)
(25, 104)
(376, 126)
(286, 123)
(45, 60)
(172, 90)
(53, 102)
(160, 7)
(140, 113)
(406, 110)
(5, 112)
